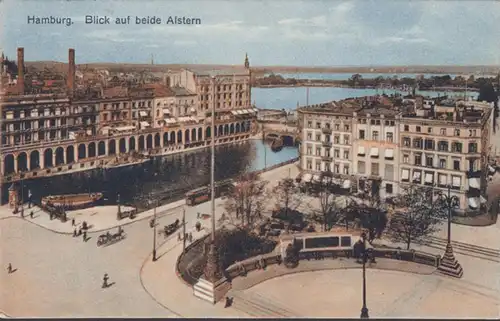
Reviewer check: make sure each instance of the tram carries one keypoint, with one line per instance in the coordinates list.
(203, 194)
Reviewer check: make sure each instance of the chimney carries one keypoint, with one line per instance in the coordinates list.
(20, 70)
(71, 70)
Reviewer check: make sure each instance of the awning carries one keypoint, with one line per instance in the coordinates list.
(255, 110)
(492, 170)
(166, 111)
(473, 202)
(429, 178)
(374, 152)
(389, 153)
(307, 177)
(143, 114)
(336, 181)
(317, 178)
(361, 150)
(416, 175)
(346, 184)
(144, 124)
(234, 112)
(193, 110)
(474, 183)
(482, 199)
(443, 179)
(406, 174)
(124, 128)
(170, 120)
(456, 181)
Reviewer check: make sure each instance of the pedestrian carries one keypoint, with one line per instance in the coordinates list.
(80, 231)
(105, 281)
(85, 236)
(29, 198)
(72, 222)
(198, 215)
(9, 268)
(179, 236)
(75, 233)
(190, 237)
(31, 214)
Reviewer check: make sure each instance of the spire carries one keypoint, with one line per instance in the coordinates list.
(152, 61)
(247, 63)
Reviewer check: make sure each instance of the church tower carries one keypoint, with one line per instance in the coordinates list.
(247, 63)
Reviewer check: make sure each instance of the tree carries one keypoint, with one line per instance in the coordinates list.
(288, 195)
(487, 93)
(330, 211)
(418, 217)
(371, 214)
(245, 202)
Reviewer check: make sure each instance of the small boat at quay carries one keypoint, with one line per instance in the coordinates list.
(71, 201)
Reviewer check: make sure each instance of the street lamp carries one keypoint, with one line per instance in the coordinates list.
(154, 231)
(367, 251)
(449, 264)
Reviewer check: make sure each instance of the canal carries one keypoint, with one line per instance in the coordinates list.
(164, 178)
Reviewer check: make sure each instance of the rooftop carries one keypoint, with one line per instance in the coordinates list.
(181, 91)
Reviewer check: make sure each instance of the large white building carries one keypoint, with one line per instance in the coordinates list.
(375, 146)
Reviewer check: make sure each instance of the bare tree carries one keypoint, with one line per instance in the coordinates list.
(417, 217)
(245, 202)
(330, 210)
(370, 213)
(288, 195)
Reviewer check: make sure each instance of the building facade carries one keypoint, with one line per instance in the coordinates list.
(378, 148)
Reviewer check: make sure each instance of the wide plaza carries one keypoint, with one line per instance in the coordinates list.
(60, 276)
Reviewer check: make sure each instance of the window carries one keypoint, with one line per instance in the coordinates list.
(318, 151)
(318, 165)
(309, 124)
(472, 147)
(337, 127)
(336, 153)
(442, 163)
(418, 160)
(309, 164)
(318, 137)
(375, 171)
(318, 125)
(406, 141)
(456, 164)
(361, 167)
(375, 135)
(309, 151)
(346, 169)
(336, 168)
(429, 130)
(418, 130)
(406, 128)
(327, 152)
(346, 128)
(472, 132)
(457, 132)
(456, 147)
(442, 131)
(327, 125)
(406, 159)
(328, 138)
(372, 122)
(346, 154)
(429, 161)
(429, 144)
(389, 137)
(443, 146)
(336, 139)
(389, 172)
(388, 188)
(346, 139)
(417, 143)
(309, 136)
(361, 134)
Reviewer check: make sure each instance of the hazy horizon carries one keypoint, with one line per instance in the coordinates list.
(356, 33)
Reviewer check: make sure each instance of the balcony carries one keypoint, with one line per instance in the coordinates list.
(326, 130)
(326, 158)
(327, 144)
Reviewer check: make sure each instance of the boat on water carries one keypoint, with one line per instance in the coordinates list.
(118, 165)
(277, 145)
(71, 201)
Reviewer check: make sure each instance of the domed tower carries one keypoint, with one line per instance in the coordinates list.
(247, 63)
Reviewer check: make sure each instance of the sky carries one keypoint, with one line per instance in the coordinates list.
(273, 32)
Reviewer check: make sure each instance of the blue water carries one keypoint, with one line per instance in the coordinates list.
(345, 76)
(287, 98)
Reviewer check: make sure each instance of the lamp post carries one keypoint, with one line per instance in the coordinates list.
(449, 264)
(22, 196)
(211, 271)
(364, 309)
(154, 232)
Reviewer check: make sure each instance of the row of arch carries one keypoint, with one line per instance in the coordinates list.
(61, 156)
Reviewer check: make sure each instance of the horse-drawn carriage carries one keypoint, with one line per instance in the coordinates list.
(171, 228)
(108, 238)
